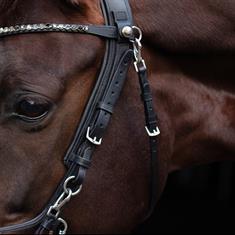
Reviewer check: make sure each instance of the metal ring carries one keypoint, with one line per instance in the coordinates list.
(66, 189)
(62, 221)
(139, 31)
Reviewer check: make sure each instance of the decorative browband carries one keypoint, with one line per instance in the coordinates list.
(30, 28)
(104, 31)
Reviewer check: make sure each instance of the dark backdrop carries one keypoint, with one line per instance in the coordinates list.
(199, 200)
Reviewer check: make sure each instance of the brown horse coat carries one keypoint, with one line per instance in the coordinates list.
(189, 47)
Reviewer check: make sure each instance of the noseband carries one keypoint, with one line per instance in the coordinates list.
(122, 45)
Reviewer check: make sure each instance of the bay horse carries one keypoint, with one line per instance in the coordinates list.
(189, 49)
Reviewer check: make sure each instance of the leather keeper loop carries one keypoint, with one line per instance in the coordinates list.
(147, 97)
(83, 162)
(105, 107)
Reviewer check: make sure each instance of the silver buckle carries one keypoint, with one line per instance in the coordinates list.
(93, 140)
(136, 64)
(155, 132)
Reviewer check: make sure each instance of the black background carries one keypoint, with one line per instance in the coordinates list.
(199, 200)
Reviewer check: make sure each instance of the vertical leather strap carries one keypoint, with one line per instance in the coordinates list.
(153, 132)
(116, 13)
(107, 90)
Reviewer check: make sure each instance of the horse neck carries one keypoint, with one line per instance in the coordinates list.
(197, 115)
(188, 26)
(193, 93)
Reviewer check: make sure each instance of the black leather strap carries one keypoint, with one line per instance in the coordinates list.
(151, 125)
(110, 98)
(107, 91)
(48, 225)
(114, 52)
(104, 31)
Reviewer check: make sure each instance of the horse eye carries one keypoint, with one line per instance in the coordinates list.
(32, 110)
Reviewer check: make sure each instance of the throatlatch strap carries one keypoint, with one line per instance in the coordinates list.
(153, 131)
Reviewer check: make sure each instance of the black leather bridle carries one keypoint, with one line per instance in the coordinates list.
(123, 44)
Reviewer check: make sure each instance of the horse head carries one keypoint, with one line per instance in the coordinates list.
(49, 77)
(46, 80)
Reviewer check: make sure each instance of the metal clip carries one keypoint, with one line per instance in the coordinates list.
(139, 65)
(93, 140)
(154, 133)
(137, 47)
(64, 198)
(54, 210)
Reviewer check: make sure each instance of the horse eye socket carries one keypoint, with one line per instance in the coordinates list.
(32, 109)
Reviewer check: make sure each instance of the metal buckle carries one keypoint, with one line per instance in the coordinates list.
(138, 65)
(155, 132)
(93, 140)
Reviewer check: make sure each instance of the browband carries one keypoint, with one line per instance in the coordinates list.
(97, 30)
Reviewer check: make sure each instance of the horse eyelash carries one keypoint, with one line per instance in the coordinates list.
(28, 118)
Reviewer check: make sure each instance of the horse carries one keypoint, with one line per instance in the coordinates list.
(188, 48)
